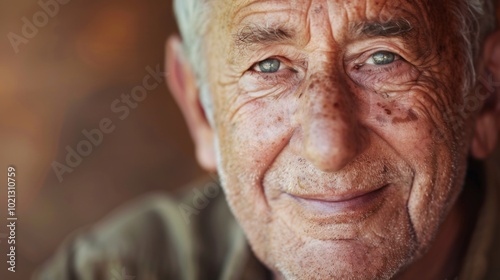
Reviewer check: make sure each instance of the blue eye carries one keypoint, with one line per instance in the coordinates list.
(382, 58)
(270, 65)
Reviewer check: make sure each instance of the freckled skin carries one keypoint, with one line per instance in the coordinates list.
(331, 127)
(411, 117)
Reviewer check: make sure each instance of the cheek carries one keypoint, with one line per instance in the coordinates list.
(249, 141)
(411, 122)
(400, 124)
(252, 136)
(416, 128)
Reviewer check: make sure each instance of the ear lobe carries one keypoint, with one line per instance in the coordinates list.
(182, 84)
(485, 136)
(492, 53)
(487, 122)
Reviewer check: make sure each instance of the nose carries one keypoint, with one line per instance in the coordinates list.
(332, 134)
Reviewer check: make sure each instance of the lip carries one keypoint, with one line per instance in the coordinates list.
(340, 204)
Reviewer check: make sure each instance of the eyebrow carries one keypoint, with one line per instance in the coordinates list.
(391, 28)
(256, 34)
(253, 34)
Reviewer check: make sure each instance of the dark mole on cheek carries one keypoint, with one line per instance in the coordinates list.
(411, 117)
(388, 111)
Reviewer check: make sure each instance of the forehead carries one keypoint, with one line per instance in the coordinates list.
(326, 23)
(330, 21)
(337, 11)
(315, 24)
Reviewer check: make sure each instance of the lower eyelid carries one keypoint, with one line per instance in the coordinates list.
(396, 73)
(258, 85)
(379, 68)
(285, 77)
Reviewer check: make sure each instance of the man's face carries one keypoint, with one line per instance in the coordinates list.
(336, 124)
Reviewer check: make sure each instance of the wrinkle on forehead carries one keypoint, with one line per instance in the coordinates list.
(236, 11)
(294, 22)
(394, 18)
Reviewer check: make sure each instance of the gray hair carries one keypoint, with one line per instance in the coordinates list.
(192, 19)
(476, 20)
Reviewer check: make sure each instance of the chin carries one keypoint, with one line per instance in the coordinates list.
(347, 259)
(378, 247)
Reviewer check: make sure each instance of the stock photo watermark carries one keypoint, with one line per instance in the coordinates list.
(120, 273)
(123, 106)
(472, 103)
(11, 218)
(200, 199)
(31, 25)
(120, 268)
(121, 109)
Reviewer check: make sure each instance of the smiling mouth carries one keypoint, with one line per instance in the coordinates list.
(332, 205)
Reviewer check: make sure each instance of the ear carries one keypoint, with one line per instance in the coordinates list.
(487, 122)
(183, 86)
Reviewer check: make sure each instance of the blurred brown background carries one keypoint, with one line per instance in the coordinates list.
(63, 80)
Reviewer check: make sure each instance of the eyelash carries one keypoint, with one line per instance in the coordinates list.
(380, 68)
(284, 73)
(370, 77)
(373, 72)
(383, 68)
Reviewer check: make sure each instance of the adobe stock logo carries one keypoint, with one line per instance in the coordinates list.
(30, 28)
(121, 108)
(199, 200)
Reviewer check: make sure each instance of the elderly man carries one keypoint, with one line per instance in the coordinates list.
(353, 140)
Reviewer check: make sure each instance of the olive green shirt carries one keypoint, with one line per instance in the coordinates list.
(157, 237)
